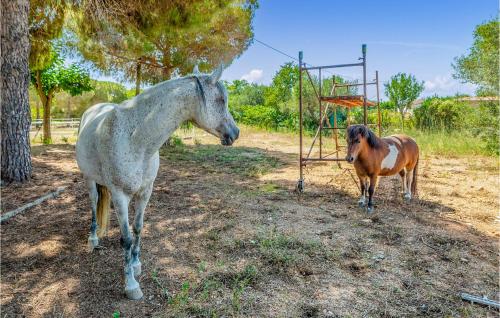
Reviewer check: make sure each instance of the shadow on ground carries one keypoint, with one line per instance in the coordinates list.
(221, 241)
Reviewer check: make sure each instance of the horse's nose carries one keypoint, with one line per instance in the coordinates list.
(349, 158)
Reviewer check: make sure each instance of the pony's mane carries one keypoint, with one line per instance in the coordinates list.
(371, 138)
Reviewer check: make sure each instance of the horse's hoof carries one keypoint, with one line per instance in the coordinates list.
(93, 243)
(134, 294)
(407, 197)
(361, 204)
(137, 269)
(370, 210)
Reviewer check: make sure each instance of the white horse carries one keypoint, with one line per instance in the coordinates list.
(117, 151)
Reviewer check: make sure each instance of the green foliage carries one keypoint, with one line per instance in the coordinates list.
(66, 105)
(284, 82)
(167, 37)
(243, 93)
(402, 89)
(46, 22)
(56, 76)
(266, 117)
(480, 66)
(450, 115)
(488, 124)
(275, 106)
(452, 143)
(442, 114)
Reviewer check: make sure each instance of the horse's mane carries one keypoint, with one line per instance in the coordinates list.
(371, 138)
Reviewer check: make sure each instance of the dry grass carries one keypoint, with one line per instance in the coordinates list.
(226, 235)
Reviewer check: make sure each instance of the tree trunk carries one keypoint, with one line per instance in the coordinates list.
(37, 109)
(138, 78)
(15, 108)
(402, 120)
(46, 104)
(47, 136)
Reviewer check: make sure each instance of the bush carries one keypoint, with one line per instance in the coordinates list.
(442, 114)
(487, 124)
(266, 117)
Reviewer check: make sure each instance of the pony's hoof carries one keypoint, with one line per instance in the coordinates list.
(370, 210)
(134, 294)
(361, 203)
(93, 243)
(407, 197)
(137, 269)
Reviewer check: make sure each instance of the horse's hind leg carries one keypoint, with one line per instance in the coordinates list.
(403, 175)
(121, 202)
(141, 200)
(94, 196)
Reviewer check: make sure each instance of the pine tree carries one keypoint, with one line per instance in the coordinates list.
(16, 118)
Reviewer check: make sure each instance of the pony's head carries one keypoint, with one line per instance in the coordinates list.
(213, 114)
(359, 137)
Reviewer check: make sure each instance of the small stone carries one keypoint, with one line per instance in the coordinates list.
(437, 210)
(464, 260)
(367, 221)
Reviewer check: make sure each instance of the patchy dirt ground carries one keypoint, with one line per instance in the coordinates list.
(227, 235)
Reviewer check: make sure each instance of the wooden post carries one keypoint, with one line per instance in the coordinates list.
(300, 185)
(378, 107)
(365, 110)
(320, 118)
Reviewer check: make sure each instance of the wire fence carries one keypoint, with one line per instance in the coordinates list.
(36, 124)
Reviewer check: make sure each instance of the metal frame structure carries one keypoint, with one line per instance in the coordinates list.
(336, 101)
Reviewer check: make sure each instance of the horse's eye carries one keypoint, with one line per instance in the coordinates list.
(356, 141)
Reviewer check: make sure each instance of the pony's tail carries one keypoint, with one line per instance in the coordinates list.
(103, 205)
(414, 181)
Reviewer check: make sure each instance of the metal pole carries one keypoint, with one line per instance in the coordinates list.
(320, 118)
(365, 117)
(300, 184)
(378, 107)
(335, 126)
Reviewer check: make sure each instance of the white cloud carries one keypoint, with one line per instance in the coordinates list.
(254, 76)
(446, 85)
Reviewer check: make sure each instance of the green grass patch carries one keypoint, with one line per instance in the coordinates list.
(243, 161)
(454, 143)
(282, 250)
(217, 294)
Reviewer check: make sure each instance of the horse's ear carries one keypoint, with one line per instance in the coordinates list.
(196, 71)
(217, 73)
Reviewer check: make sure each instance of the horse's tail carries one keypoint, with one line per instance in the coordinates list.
(103, 205)
(414, 180)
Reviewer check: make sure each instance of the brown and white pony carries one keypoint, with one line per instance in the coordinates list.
(373, 157)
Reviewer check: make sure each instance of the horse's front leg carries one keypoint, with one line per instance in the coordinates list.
(141, 200)
(371, 191)
(121, 202)
(363, 186)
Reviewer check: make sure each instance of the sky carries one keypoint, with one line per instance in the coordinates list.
(420, 37)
